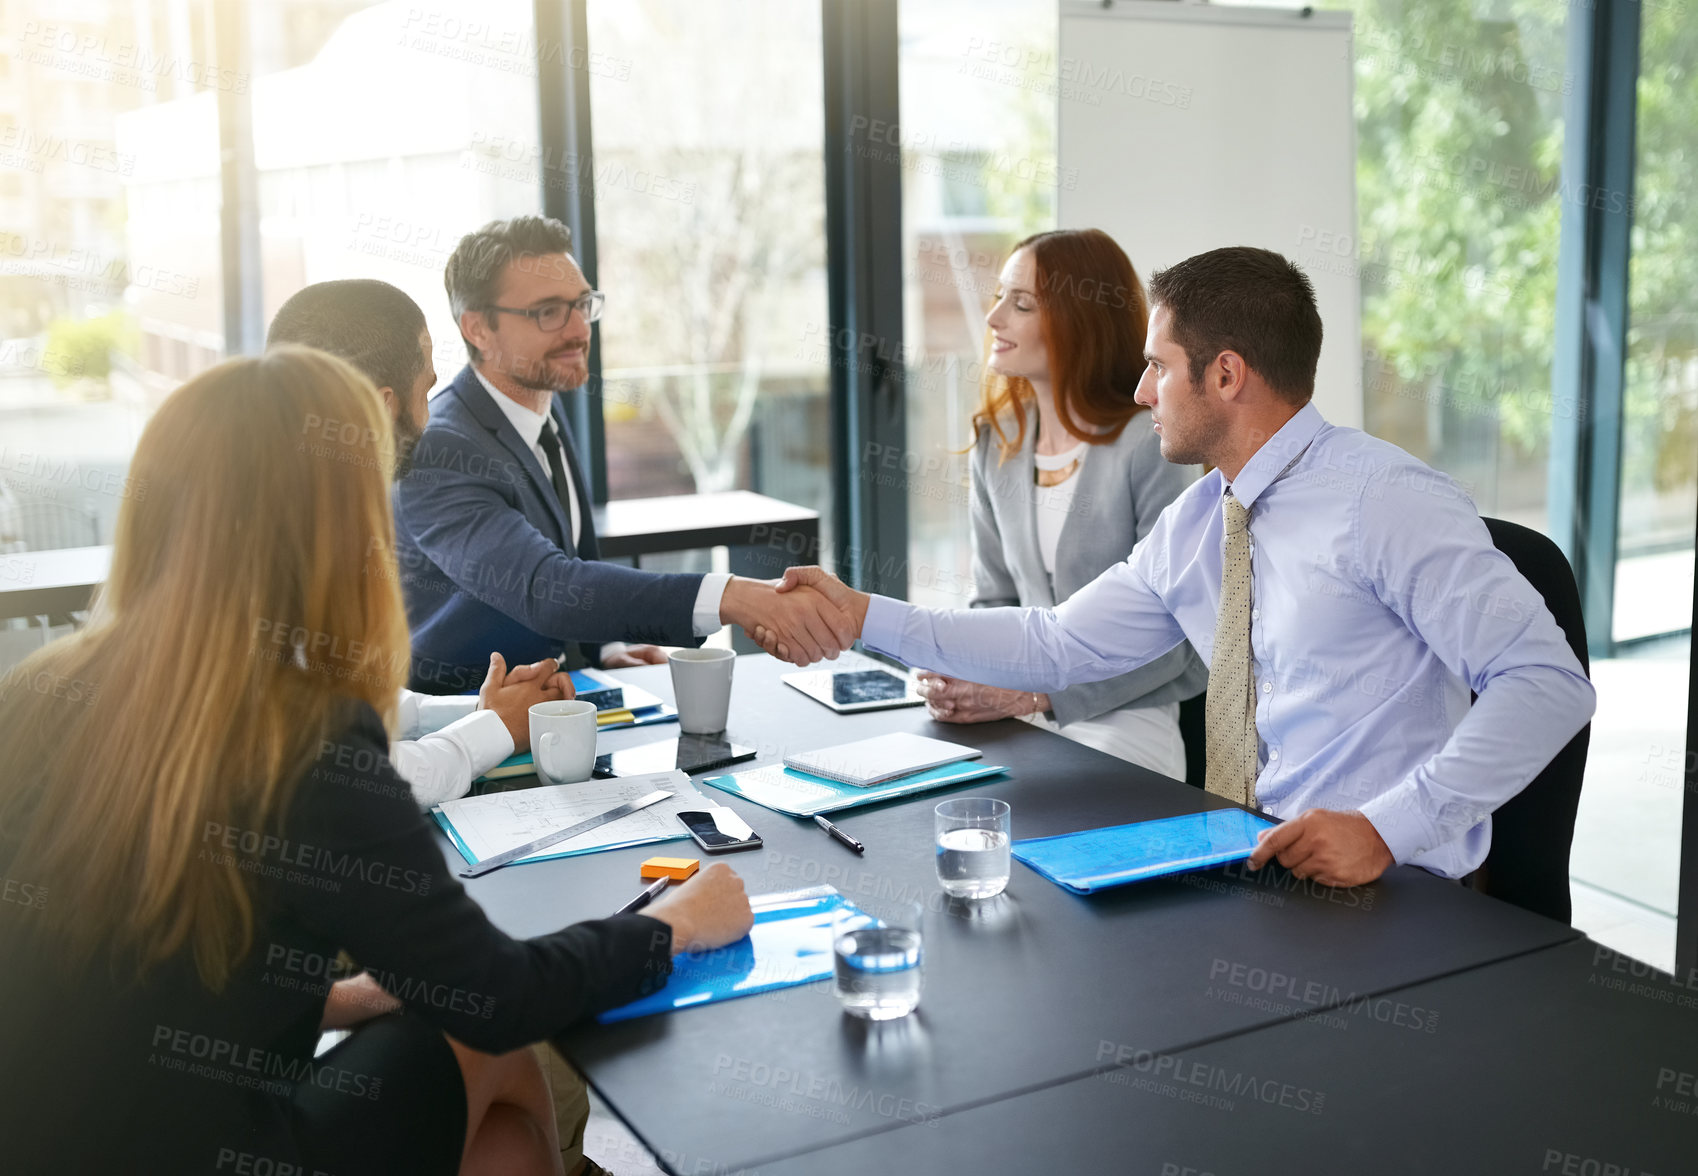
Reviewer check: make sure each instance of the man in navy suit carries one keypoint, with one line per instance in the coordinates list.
(496, 544)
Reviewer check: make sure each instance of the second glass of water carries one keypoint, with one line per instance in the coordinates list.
(972, 846)
(878, 958)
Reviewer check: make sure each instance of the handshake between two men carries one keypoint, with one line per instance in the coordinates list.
(806, 617)
(1335, 848)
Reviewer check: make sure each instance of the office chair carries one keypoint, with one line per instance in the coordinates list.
(1193, 734)
(1533, 831)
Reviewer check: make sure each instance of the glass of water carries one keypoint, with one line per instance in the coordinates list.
(972, 846)
(878, 959)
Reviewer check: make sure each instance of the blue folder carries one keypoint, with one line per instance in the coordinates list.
(1096, 859)
(789, 944)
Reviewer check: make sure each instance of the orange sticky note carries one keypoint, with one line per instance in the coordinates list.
(677, 869)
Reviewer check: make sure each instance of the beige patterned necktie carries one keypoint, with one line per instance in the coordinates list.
(1230, 713)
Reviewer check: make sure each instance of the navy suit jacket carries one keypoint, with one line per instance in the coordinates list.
(487, 558)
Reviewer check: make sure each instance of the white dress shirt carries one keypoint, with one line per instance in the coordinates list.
(446, 743)
(704, 617)
(1379, 601)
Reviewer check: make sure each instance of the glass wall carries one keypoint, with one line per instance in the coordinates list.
(1659, 491)
(385, 132)
(977, 139)
(1459, 117)
(710, 229)
(102, 289)
(1627, 843)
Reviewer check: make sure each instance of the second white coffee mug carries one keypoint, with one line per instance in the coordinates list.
(563, 740)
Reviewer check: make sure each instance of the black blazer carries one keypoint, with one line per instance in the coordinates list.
(104, 1075)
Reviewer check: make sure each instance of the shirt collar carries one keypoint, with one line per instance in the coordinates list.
(526, 423)
(1277, 452)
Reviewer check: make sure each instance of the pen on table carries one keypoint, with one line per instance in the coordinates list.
(650, 892)
(839, 834)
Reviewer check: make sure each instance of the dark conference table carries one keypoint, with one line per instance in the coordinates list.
(1030, 997)
(1568, 1060)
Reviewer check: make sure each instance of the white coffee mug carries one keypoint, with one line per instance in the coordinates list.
(701, 685)
(563, 740)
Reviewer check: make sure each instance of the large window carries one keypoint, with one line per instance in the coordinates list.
(1627, 843)
(710, 208)
(977, 138)
(386, 134)
(90, 268)
(1659, 491)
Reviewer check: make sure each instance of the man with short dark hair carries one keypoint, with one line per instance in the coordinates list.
(497, 545)
(380, 330)
(445, 743)
(1346, 597)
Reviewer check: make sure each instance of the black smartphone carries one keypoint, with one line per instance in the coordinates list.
(726, 835)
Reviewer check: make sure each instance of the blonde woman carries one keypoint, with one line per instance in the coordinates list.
(199, 825)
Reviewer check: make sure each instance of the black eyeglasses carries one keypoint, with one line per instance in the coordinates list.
(554, 315)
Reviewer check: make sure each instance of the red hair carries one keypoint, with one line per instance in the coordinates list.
(1092, 314)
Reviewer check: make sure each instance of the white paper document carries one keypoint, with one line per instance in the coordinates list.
(483, 826)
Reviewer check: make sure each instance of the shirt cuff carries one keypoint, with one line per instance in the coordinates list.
(881, 630)
(609, 650)
(486, 739)
(441, 765)
(705, 620)
(421, 714)
(1401, 822)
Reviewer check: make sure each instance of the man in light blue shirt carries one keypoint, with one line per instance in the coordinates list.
(1377, 598)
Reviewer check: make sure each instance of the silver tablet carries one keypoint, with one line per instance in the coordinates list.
(856, 690)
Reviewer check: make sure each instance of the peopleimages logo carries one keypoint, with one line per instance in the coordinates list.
(203, 1055)
(301, 863)
(1200, 1077)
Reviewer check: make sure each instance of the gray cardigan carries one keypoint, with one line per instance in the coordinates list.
(1122, 488)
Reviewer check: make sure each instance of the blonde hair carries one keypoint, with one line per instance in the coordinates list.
(253, 597)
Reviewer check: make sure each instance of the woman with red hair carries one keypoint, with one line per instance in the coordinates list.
(1067, 476)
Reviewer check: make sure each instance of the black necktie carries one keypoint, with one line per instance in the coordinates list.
(550, 442)
(573, 658)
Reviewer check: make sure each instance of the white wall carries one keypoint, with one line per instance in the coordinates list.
(1185, 128)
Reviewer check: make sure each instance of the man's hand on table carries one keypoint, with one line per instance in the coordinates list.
(806, 625)
(512, 693)
(1333, 848)
(951, 700)
(814, 581)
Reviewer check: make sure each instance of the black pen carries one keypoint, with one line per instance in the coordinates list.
(839, 834)
(652, 891)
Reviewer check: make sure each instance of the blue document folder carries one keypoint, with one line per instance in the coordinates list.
(1095, 859)
(789, 944)
(802, 794)
(611, 693)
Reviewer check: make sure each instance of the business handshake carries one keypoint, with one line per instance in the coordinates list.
(808, 616)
